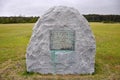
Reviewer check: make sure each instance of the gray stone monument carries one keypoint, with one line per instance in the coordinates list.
(61, 43)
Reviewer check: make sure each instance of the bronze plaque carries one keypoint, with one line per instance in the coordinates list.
(62, 39)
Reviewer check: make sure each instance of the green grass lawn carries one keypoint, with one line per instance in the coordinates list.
(15, 37)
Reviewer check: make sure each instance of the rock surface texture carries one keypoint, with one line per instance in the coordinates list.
(79, 59)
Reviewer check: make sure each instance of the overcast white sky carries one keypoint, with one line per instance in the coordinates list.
(38, 7)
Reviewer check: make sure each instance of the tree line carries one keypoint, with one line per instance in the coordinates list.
(90, 18)
(18, 19)
(103, 18)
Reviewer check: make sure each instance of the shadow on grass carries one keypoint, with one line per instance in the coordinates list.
(32, 73)
(27, 73)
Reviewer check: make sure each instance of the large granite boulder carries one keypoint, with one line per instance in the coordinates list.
(61, 43)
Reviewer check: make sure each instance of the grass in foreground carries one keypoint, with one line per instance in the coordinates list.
(15, 37)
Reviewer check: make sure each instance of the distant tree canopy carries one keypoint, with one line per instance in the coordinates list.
(90, 18)
(103, 18)
(19, 19)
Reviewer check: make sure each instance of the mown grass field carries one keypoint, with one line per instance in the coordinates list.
(15, 37)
